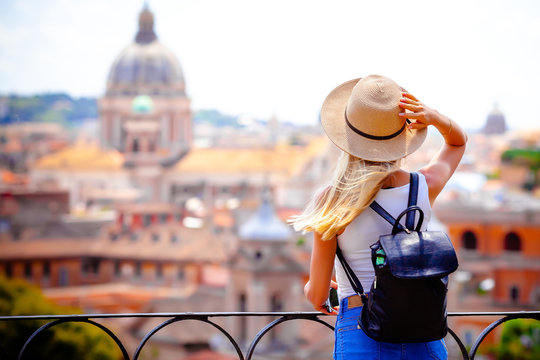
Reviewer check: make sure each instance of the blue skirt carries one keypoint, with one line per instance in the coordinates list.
(352, 343)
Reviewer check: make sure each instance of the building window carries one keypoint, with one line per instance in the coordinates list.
(117, 268)
(90, 266)
(159, 271)
(135, 146)
(276, 304)
(28, 270)
(242, 307)
(138, 269)
(63, 277)
(174, 238)
(16, 232)
(9, 270)
(155, 237)
(147, 219)
(181, 275)
(46, 270)
(5, 225)
(514, 294)
(469, 338)
(113, 236)
(163, 218)
(469, 240)
(134, 236)
(512, 242)
(535, 296)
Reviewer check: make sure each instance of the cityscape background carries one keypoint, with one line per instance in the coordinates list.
(152, 153)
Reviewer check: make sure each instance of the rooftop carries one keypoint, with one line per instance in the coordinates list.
(285, 159)
(82, 157)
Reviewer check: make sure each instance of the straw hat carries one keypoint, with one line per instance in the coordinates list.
(361, 118)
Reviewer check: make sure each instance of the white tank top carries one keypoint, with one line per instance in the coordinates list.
(366, 228)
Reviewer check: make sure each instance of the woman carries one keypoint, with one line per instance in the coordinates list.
(376, 124)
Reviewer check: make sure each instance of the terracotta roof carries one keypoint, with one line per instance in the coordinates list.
(282, 159)
(192, 245)
(113, 290)
(82, 157)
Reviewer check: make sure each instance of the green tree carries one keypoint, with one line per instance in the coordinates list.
(520, 340)
(57, 108)
(529, 158)
(63, 341)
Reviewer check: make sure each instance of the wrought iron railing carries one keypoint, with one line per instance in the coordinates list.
(206, 317)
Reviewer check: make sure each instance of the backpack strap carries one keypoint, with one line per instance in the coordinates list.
(413, 196)
(385, 214)
(353, 279)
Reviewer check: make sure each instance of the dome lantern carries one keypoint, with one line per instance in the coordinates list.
(146, 33)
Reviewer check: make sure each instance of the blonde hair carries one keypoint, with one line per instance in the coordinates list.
(354, 186)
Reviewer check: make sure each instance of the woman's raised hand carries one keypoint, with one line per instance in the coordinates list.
(421, 114)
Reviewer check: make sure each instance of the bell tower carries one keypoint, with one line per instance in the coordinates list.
(265, 276)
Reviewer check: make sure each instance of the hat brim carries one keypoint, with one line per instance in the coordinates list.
(333, 122)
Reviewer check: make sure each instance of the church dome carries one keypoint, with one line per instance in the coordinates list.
(146, 66)
(265, 225)
(495, 122)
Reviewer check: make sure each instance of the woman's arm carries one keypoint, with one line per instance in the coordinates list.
(443, 165)
(320, 272)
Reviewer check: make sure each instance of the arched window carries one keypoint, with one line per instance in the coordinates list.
(512, 242)
(28, 270)
(468, 240)
(276, 303)
(135, 145)
(514, 294)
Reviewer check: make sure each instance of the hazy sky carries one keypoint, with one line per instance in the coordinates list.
(282, 57)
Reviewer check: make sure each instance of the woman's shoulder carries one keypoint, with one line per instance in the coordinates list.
(431, 174)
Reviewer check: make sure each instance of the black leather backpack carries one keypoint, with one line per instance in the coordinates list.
(407, 301)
